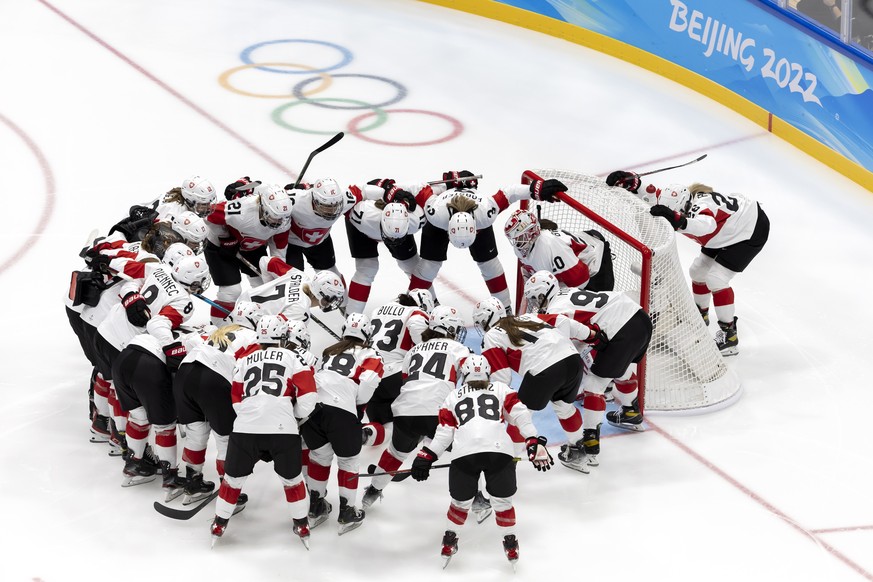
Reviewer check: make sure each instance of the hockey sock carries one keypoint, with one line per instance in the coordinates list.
(194, 451)
(101, 396)
(570, 420)
(378, 436)
(295, 495)
(723, 299)
(390, 460)
(347, 478)
(457, 514)
(626, 390)
(594, 406)
(165, 443)
(317, 476)
(701, 294)
(504, 516)
(228, 494)
(137, 437)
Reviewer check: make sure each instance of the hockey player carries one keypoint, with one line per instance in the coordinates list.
(273, 390)
(196, 194)
(430, 370)
(577, 260)
(350, 371)
(731, 231)
(144, 387)
(546, 360)
(370, 222)
(397, 326)
(244, 228)
(463, 217)
(201, 389)
(621, 335)
(472, 421)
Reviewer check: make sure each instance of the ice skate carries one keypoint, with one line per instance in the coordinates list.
(117, 442)
(481, 507)
(367, 433)
(219, 525)
(173, 485)
(139, 471)
(726, 338)
(573, 457)
(99, 429)
(319, 509)
(371, 495)
(240, 503)
(704, 313)
(196, 488)
(510, 547)
(349, 517)
(591, 445)
(629, 418)
(450, 547)
(301, 530)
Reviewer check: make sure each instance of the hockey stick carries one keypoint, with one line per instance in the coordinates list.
(400, 474)
(459, 179)
(174, 513)
(312, 316)
(317, 150)
(212, 303)
(673, 167)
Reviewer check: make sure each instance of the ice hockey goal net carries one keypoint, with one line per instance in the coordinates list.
(683, 369)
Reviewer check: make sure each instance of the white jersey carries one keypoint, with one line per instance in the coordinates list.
(396, 328)
(271, 389)
(366, 218)
(609, 310)
(348, 379)
(539, 349)
(572, 258)
(472, 421)
(716, 221)
(168, 211)
(221, 351)
(241, 219)
(430, 371)
(169, 303)
(283, 295)
(438, 213)
(309, 229)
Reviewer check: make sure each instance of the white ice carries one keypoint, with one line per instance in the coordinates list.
(105, 104)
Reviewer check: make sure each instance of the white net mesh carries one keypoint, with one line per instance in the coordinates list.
(684, 368)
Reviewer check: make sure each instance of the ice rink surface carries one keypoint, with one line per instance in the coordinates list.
(106, 104)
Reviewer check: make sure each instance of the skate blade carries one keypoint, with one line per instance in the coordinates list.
(305, 541)
(729, 352)
(581, 468)
(482, 515)
(115, 451)
(633, 427)
(446, 560)
(592, 461)
(347, 527)
(172, 494)
(189, 499)
(514, 564)
(214, 540)
(237, 508)
(133, 481)
(98, 439)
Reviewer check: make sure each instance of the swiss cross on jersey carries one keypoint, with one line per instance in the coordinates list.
(244, 216)
(309, 229)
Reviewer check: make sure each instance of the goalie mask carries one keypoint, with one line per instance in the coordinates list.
(327, 199)
(539, 291)
(199, 195)
(447, 321)
(522, 229)
(676, 197)
(276, 205)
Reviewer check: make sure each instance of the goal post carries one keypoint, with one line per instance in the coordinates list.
(683, 369)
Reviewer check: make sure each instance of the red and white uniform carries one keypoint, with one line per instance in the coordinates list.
(541, 349)
(347, 380)
(716, 221)
(396, 329)
(430, 370)
(309, 229)
(271, 389)
(367, 219)
(572, 258)
(435, 201)
(241, 219)
(169, 303)
(168, 211)
(609, 310)
(222, 359)
(283, 294)
(472, 421)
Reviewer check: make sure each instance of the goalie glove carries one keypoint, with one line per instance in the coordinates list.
(538, 454)
(676, 220)
(421, 465)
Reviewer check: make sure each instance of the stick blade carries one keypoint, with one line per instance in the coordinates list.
(331, 141)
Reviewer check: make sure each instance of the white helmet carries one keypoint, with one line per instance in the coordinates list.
(487, 312)
(462, 229)
(522, 229)
(175, 253)
(247, 314)
(199, 195)
(540, 289)
(423, 299)
(327, 198)
(276, 205)
(329, 290)
(475, 368)
(273, 330)
(298, 334)
(357, 325)
(395, 221)
(447, 321)
(192, 228)
(193, 274)
(676, 197)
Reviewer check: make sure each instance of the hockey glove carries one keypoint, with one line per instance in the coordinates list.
(546, 190)
(242, 187)
(100, 264)
(138, 313)
(676, 220)
(300, 186)
(387, 184)
(228, 246)
(175, 353)
(627, 180)
(538, 454)
(453, 182)
(598, 338)
(405, 198)
(421, 465)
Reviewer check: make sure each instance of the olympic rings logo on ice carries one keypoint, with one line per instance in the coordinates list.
(320, 80)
